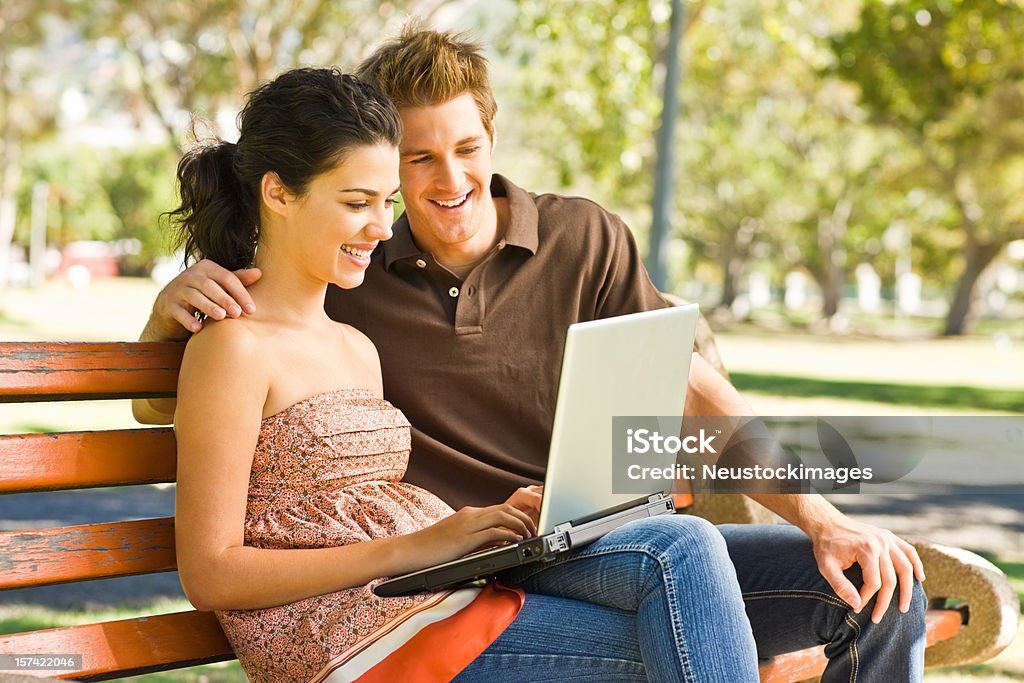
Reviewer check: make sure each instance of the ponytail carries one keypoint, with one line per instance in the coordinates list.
(298, 126)
(217, 219)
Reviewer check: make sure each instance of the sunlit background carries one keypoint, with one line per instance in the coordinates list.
(847, 200)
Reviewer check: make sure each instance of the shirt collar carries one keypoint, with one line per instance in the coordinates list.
(521, 232)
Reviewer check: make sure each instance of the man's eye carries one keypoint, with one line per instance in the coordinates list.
(470, 150)
(419, 160)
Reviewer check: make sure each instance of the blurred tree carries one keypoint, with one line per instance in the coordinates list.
(27, 110)
(183, 57)
(949, 76)
(774, 160)
(79, 208)
(589, 78)
(139, 186)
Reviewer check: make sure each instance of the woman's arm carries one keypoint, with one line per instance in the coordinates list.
(222, 387)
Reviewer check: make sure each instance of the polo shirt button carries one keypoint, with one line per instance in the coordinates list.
(453, 292)
(420, 263)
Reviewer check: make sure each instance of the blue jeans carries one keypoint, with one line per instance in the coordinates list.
(675, 599)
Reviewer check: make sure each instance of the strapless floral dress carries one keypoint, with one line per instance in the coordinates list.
(327, 472)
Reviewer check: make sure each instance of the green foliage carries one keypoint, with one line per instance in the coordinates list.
(917, 61)
(587, 80)
(102, 195)
(949, 76)
(78, 208)
(202, 56)
(140, 186)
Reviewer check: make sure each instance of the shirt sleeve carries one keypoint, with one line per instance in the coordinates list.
(626, 286)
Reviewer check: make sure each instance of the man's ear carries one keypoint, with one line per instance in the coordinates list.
(274, 195)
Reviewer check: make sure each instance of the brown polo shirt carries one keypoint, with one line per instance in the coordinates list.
(474, 363)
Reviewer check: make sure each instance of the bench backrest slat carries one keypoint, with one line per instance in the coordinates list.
(91, 551)
(130, 646)
(77, 460)
(50, 371)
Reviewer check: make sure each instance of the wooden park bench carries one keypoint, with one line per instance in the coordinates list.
(973, 614)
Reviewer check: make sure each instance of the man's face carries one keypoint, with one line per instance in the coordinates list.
(446, 173)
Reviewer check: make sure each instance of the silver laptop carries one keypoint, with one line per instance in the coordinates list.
(634, 364)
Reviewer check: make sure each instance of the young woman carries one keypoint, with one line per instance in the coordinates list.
(289, 496)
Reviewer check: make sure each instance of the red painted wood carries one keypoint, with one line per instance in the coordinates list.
(809, 663)
(33, 371)
(76, 460)
(92, 551)
(128, 646)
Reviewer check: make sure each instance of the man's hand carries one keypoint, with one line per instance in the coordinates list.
(528, 500)
(886, 561)
(205, 288)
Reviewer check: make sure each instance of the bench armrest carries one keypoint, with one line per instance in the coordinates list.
(993, 607)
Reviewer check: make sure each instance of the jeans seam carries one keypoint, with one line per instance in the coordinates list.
(814, 595)
(827, 599)
(854, 654)
(643, 550)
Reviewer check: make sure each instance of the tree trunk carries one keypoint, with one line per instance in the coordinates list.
(732, 268)
(831, 232)
(977, 257)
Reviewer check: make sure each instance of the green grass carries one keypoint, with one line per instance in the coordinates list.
(912, 395)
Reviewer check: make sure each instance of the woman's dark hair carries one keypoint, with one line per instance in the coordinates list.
(299, 125)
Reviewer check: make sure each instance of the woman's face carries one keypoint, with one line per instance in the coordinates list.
(344, 214)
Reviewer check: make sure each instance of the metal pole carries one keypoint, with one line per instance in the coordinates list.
(657, 257)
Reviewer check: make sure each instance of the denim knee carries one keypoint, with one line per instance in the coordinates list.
(681, 539)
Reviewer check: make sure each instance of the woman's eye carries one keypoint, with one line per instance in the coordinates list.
(392, 201)
(358, 206)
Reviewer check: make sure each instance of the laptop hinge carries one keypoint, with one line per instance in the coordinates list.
(559, 540)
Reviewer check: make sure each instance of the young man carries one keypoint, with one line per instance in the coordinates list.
(468, 305)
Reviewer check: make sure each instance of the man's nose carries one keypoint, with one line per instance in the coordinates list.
(449, 174)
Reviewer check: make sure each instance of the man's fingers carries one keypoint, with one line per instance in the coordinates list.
(186, 319)
(905, 575)
(915, 560)
(869, 571)
(200, 302)
(846, 591)
(887, 589)
(237, 289)
(213, 291)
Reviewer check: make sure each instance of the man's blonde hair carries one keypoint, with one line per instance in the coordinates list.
(423, 67)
